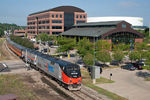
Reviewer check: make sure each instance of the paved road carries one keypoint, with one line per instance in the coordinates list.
(127, 84)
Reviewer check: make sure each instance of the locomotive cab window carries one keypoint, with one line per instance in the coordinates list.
(72, 71)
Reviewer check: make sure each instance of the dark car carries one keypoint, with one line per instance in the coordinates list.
(137, 66)
(116, 63)
(128, 67)
(101, 65)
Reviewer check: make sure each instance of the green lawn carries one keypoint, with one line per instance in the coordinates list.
(147, 79)
(86, 80)
(12, 84)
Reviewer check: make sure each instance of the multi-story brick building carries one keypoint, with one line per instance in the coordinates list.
(20, 32)
(54, 21)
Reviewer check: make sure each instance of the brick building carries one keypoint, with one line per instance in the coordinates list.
(20, 32)
(54, 21)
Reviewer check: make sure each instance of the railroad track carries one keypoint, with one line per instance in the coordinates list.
(83, 94)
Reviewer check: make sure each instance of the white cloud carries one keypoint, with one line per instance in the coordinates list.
(128, 4)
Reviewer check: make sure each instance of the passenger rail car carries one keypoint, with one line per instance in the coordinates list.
(65, 73)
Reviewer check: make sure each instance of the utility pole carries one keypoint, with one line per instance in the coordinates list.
(93, 69)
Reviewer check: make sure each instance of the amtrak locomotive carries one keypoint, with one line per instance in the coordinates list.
(65, 73)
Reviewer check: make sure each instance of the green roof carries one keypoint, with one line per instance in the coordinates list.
(89, 32)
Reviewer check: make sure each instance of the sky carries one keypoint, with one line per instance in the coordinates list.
(16, 11)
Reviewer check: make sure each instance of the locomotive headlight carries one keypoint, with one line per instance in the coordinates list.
(79, 80)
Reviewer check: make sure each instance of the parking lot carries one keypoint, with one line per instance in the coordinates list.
(127, 83)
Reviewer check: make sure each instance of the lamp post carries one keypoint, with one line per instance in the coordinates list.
(94, 67)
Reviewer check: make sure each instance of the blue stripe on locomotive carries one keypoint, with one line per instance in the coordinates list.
(50, 68)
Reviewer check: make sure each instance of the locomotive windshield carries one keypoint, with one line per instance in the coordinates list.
(72, 71)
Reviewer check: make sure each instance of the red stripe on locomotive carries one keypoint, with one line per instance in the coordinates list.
(69, 80)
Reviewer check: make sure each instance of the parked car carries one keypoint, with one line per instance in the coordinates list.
(114, 62)
(128, 67)
(137, 66)
(141, 62)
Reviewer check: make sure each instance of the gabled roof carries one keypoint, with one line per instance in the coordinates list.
(65, 9)
(89, 32)
(99, 23)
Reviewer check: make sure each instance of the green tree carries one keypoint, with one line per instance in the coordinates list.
(121, 46)
(22, 41)
(44, 37)
(103, 56)
(118, 55)
(88, 59)
(102, 45)
(140, 46)
(135, 55)
(66, 44)
(84, 47)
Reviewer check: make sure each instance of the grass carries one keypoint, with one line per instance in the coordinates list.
(12, 84)
(86, 80)
(147, 79)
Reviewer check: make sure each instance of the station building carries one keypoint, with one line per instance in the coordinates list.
(54, 21)
(113, 31)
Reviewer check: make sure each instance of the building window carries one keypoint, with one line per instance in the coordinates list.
(43, 22)
(56, 16)
(56, 27)
(84, 16)
(56, 33)
(78, 22)
(47, 27)
(39, 27)
(39, 22)
(124, 26)
(76, 16)
(43, 27)
(47, 21)
(80, 16)
(47, 32)
(60, 15)
(56, 21)
(52, 16)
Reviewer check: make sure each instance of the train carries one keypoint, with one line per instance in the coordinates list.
(66, 74)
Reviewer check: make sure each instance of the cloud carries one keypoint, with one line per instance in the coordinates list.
(127, 4)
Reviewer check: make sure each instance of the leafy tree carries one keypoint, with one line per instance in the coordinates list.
(135, 55)
(11, 27)
(22, 41)
(88, 59)
(121, 46)
(44, 37)
(140, 46)
(84, 47)
(118, 55)
(102, 45)
(66, 44)
(103, 56)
